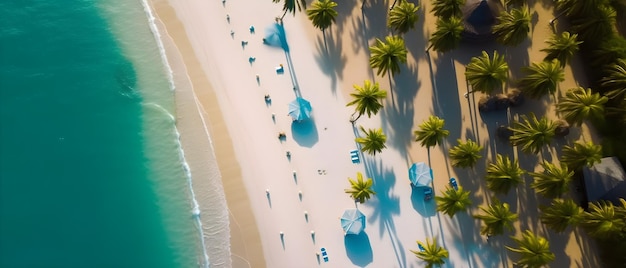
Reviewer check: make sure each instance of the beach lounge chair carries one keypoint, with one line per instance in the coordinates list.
(428, 193)
(280, 69)
(454, 184)
(324, 254)
(354, 155)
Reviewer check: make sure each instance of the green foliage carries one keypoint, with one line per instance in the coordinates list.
(581, 154)
(596, 26)
(292, 5)
(496, 218)
(373, 142)
(322, 13)
(367, 98)
(534, 250)
(561, 214)
(360, 189)
(608, 53)
(561, 47)
(615, 81)
(465, 154)
(448, 34)
(452, 201)
(532, 133)
(432, 253)
(580, 104)
(577, 8)
(604, 221)
(554, 181)
(402, 17)
(387, 56)
(447, 9)
(431, 132)
(503, 175)
(512, 27)
(486, 74)
(541, 79)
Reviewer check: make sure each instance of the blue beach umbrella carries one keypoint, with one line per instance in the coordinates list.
(300, 109)
(275, 36)
(352, 221)
(420, 174)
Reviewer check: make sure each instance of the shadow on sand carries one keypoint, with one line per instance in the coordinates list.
(359, 249)
(426, 208)
(397, 120)
(385, 205)
(305, 132)
(330, 58)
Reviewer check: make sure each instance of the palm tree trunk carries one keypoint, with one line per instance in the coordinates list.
(352, 116)
(325, 42)
(393, 5)
(429, 47)
(283, 16)
(391, 89)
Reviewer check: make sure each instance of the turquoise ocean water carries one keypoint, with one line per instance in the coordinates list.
(91, 173)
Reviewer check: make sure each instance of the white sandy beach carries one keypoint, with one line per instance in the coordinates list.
(252, 159)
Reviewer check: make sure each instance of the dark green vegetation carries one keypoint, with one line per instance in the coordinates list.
(588, 29)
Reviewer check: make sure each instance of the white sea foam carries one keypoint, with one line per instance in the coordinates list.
(170, 77)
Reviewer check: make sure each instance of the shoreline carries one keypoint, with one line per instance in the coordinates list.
(245, 252)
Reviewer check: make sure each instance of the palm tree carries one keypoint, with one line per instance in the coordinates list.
(603, 220)
(542, 78)
(580, 104)
(503, 175)
(562, 47)
(360, 190)
(576, 8)
(496, 217)
(322, 14)
(431, 132)
(485, 74)
(447, 9)
(367, 99)
(532, 133)
(386, 57)
(447, 36)
(554, 181)
(561, 214)
(596, 26)
(452, 201)
(291, 6)
(535, 250)
(615, 80)
(432, 254)
(465, 154)
(373, 142)
(606, 53)
(512, 27)
(515, 2)
(581, 154)
(402, 17)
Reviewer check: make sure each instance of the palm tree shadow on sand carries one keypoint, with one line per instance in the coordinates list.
(359, 249)
(397, 120)
(477, 249)
(386, 204)
(330, 58)
(446, 102)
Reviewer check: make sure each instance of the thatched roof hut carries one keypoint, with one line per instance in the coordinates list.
(478, 18)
